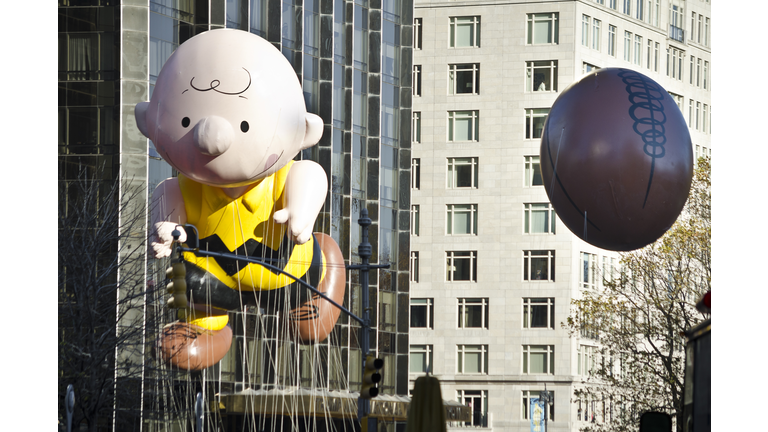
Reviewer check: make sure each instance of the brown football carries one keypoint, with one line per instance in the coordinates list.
(616, 159)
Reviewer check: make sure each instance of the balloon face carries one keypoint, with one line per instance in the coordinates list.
(616, 159)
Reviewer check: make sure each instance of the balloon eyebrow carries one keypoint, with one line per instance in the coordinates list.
(216, 83)
(185, 91)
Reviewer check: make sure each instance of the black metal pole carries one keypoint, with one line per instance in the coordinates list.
(365, 251)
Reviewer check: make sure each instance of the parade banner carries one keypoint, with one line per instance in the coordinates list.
(537, 415)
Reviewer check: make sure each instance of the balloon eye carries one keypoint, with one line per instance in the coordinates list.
(185, 121)
(244, 126)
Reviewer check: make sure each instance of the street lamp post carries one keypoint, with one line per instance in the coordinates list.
(547, 399)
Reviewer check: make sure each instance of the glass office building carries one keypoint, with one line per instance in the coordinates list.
(354, 62)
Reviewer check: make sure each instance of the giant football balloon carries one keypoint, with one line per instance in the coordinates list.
(616, 159)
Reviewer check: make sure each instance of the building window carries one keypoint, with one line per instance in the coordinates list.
(656, 57)
(585, 364)
(649, 55)
(461, 219)
(473, 313)
(417, 80)
(587, 270)
(690, 113)
(541, 75)
(585, 30)
(416, 127)
(676, 23)
(595, 34)
(462, 173)
(465, 32)
(587, 68)
(463, 125)
(612, 40)
(539, 265)
(415, 220)
(704, 119)
(417, 30)
(472, 359)
(539, 313)
(706, 31)
(414, 267)
(416, 173)
(422, 313)
(528, 394)
(627, 46)
(675, 63)
(690, 69)
(539, 218)
(543, 28)
(464, 78)
(612, 4)
(639, 10)
(461, 266)
(678, 100)
(638, 49)
(698, 72)
(477, 400)
(704, 76)
(420, 359)
(609, 270)
(539, 359)
(533, 171)
(534, 122)
(698, 108)
(626, 6)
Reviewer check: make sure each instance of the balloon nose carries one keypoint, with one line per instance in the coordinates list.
(213, 135)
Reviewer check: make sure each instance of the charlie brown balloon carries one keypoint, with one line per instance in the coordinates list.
(228, 113)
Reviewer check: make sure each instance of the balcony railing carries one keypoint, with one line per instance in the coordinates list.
(676, 33)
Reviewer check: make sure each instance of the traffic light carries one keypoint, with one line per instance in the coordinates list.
(177, 287)
(371, 377)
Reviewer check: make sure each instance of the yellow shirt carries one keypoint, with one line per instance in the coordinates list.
(245, 226)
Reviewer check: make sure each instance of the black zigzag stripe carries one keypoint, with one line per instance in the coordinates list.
(251, 248)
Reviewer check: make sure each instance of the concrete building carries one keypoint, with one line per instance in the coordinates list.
(353, 59)
(493, 270)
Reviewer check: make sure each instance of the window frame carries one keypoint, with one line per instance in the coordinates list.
(528, 212)
(428, 303)
(413, 267)
(416, 127)
(450, 265)
(527, 394)
(461, 352)
(528, 257)
(417, 33)
(415, 216)
(453, 77)
(450, 219)
(415, 173)
(531, 114)
(548, 303)
(416, 91)
(473, 118)
(464, 303)
(530, 171)
(538, 67)
(612, 40)
(549, 359)
(554, 34)
(428, 351)
(452, 172)
(596, 28)
(587, 270)
(472, 21)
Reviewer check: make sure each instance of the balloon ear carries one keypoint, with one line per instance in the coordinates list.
(314, 130)
(141, 118)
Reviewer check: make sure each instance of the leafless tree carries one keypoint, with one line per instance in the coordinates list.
(105, 332)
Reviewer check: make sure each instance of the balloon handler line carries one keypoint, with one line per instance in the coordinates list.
(196, 250)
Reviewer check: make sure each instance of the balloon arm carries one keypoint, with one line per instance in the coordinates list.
(306, 187)
(167, 212)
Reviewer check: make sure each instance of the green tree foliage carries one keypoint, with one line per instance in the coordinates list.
(637, 322)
